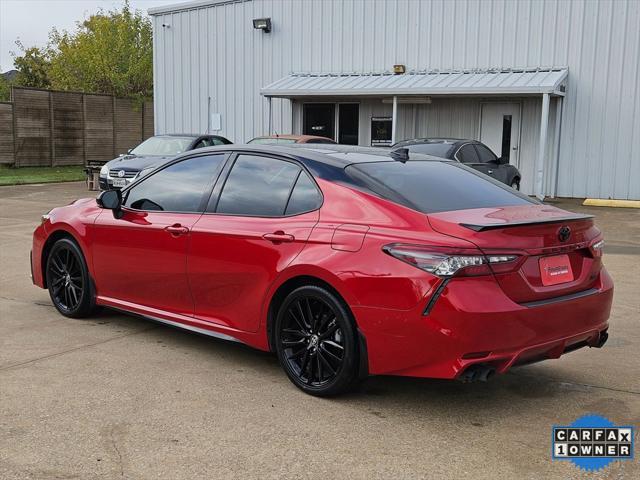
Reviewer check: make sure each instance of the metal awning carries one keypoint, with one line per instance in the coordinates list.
(472, 82)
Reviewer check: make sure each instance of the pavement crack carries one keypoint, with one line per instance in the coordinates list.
(115, 447)
(75, 349)
(577, 384)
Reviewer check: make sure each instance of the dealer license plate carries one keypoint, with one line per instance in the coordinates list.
(555, 270)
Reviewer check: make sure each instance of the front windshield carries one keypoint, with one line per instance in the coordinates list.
(163, 146)
(272, 141)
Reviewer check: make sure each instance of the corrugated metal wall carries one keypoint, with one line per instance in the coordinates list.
(214, 52)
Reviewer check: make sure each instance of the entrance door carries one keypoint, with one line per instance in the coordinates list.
(500, 130)
(319, 119)
(348, 114)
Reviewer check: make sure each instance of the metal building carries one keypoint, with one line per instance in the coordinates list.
(552, 84)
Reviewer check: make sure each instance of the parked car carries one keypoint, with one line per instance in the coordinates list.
(470, 152)
(289, 139)
(346, 263)
(121, 171)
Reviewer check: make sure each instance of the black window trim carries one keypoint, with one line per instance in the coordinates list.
(224, 175)
(205, 196)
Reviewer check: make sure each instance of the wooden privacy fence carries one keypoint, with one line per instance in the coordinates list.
(51, 128)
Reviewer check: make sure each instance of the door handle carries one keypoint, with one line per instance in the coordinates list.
(279, 237)
(176, 230)
(490, 171)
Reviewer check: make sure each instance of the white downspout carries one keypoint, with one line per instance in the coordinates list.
(556, 151)
(269, 123)
(394, 117)
(544, 125)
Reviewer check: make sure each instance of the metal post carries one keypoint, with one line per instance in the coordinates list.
(415, 120)
(544, 124)
(556, 148)
(394, 118)
(269, 103)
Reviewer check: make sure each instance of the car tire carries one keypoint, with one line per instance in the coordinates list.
(68, 280)
(316, 341)
(515, 184)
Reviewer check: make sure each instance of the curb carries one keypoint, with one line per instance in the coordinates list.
(600, 202)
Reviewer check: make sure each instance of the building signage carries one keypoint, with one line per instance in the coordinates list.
(381, 131)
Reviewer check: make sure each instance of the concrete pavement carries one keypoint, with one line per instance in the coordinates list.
(119, 397)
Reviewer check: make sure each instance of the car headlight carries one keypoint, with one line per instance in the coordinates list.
(143, 173)
(104, 171)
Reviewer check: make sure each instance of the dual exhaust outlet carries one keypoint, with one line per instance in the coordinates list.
(477, 373)
(482, 373)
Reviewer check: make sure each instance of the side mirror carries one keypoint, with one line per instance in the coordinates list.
(111, 200)
(502, 161)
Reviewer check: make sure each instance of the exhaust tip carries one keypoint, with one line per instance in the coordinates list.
(477, 373)
(604, 336)
(486, 373)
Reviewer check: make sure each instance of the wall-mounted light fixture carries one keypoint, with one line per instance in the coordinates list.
(263, 24)
(398, 69)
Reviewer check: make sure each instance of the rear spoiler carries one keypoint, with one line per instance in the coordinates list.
(494, 226)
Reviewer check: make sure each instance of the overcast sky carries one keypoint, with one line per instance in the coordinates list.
(31, 20)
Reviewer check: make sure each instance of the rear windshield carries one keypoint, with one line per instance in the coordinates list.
(432, 186)
(435, 149)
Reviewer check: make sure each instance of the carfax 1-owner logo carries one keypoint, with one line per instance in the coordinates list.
(592, 442)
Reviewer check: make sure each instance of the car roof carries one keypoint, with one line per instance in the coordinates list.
(422, 141)
(294, 137)
(188, 135)
(326, 161)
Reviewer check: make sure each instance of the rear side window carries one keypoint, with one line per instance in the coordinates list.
(485, 154)
(436, 149)
(258, 186)
(304, 197)
(178, 188)
(467, 154)
(432, 186)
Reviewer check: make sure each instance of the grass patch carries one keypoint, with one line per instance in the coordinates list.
(25, 175)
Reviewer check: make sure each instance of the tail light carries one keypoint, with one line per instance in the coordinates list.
(447, 262)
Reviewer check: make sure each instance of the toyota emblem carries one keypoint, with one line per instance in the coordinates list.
(564, 233)
(121, 173)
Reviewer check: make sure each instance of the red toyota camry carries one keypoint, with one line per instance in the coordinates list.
(345, 261)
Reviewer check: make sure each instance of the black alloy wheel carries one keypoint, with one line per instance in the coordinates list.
(316, 341)
(68, 280)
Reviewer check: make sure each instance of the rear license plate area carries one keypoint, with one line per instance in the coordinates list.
(555, 269)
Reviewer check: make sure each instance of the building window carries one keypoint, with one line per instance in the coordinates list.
(381, 131)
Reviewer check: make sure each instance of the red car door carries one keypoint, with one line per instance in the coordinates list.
(254, 227)
(140, 259)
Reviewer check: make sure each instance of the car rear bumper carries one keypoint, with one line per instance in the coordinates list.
(474, 323)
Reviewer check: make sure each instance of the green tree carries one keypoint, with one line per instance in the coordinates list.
(33, 66)
(111, 52)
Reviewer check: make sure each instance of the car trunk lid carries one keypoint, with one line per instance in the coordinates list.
(553, 246)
